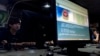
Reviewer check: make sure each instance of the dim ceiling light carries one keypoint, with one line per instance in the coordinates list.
(46, 6)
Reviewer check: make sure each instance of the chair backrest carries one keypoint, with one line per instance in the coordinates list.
(2, 30)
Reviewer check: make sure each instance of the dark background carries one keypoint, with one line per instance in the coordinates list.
(39, 22)
(92, 6)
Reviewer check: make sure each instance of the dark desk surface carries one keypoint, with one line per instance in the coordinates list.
(39, 52)
(91, 49)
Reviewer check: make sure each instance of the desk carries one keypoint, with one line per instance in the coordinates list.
(37, 52)
(91, 48)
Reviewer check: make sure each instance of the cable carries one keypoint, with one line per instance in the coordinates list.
(14, 7)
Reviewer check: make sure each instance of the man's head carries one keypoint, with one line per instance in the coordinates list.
(14, 23)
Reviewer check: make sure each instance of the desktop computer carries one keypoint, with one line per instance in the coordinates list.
(72, 26)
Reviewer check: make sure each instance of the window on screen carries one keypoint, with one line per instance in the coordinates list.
(72, 21)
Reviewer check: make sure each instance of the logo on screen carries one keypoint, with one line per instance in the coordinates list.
(65, 14)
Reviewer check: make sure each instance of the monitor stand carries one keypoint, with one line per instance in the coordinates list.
(72, 51)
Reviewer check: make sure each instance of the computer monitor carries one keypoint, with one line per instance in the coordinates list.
(72, 24)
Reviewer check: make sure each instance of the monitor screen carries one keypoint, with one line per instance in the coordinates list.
(72, 21)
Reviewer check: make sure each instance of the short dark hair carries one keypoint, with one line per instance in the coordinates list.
(14, 20)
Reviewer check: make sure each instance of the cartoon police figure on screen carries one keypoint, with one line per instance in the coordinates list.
(65, 14)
